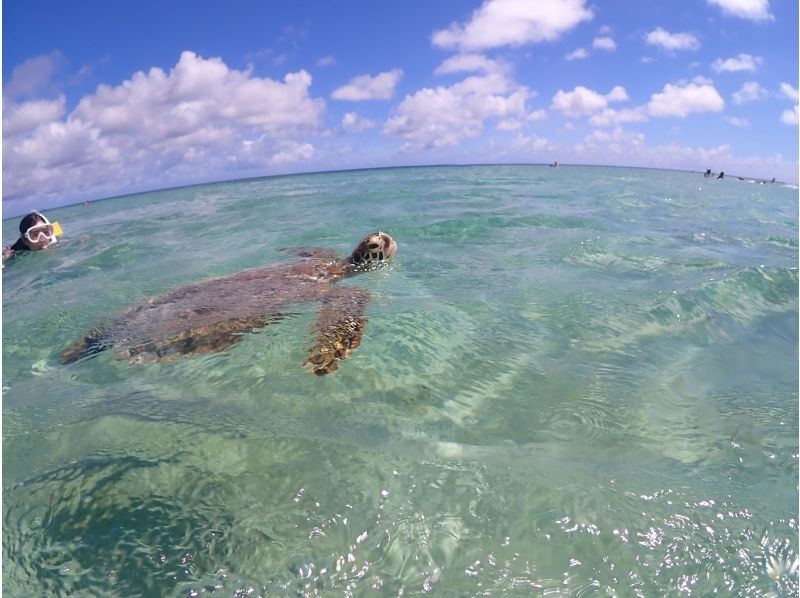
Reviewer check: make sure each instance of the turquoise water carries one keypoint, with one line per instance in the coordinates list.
(573, 381)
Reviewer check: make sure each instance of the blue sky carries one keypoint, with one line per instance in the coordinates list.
(106, 98)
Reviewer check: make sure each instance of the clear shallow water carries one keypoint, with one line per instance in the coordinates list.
(573, 380)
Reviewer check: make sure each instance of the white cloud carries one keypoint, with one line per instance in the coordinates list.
(756, 10)
(577, 54)
(291, 151)
(700, 80)
(680, 101)
(352, 123)
(159, 128)
(199, 93)
(537, 115)
(617, 94)
(519, 120)
(614, 140)
(750, 91)
(610, 117)
(55, 144)
(509, 124)
(672, 41)
(790, 116)
(532, 144)
(513, 23)
(32, 76)
(468, 63)
(365, 87)
(790, 92)
(269, 55)
(18, 118)
(743, 62)
(604, 43)
(582, 101)
(442, 117)
(737, 122)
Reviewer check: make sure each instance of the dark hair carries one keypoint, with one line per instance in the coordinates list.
(30, 220)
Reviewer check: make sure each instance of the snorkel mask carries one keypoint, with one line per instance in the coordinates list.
(48, 230)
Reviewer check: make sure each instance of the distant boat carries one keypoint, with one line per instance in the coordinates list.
(87, 202)
(554, 164)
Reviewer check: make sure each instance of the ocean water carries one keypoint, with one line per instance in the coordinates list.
(573, 381)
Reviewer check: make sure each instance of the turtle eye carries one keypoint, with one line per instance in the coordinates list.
(373, 246)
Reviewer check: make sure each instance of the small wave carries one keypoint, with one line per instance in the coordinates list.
(782, 241)
(477, 227)
(743, 296)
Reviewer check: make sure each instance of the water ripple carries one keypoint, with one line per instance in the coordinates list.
(574, 381)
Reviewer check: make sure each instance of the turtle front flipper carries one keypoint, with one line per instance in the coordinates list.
(340, 325)
(195, 341)
(312, 252)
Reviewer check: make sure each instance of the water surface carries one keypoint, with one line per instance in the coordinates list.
(573, 380)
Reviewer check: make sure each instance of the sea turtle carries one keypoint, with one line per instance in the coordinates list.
(214, 314)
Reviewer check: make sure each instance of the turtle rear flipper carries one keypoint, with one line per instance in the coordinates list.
(88, 346)
(196, 341)
(340, 325)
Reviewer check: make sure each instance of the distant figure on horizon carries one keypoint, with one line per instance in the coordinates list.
(707, 173)
(721, 175)
(36, 232)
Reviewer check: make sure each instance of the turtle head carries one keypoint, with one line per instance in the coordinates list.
(373, 251)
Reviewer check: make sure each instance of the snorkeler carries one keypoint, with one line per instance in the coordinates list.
(36, 232)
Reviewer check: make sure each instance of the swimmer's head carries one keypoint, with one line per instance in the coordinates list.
(36, 231)
(31, 220)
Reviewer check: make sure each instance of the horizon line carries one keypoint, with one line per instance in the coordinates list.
(555, 163)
